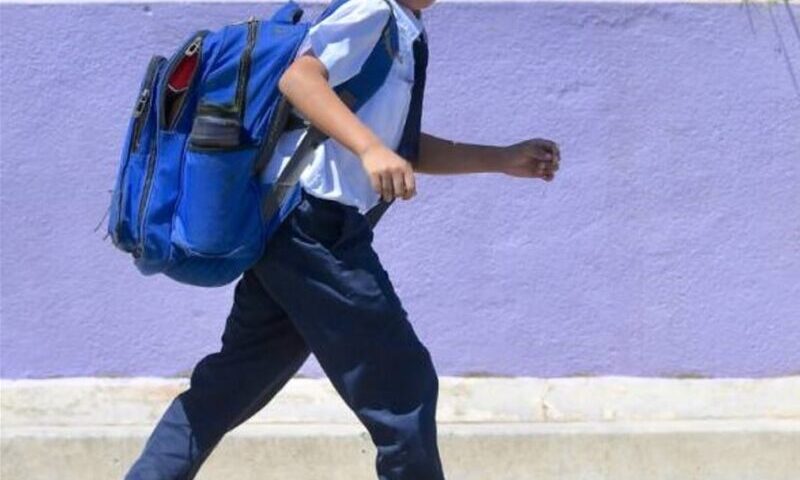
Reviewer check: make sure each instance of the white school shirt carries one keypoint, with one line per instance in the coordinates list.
(342, 42)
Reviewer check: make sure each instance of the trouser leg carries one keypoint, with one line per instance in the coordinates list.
(322, 270)
(261, 351)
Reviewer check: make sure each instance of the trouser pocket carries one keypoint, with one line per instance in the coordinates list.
(319, 220)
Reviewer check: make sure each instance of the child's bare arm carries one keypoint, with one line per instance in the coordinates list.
(531, 158)
(305, 85)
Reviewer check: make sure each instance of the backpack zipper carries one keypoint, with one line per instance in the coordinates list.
(148, 180)
(141, 112)
(244, 66)
(142, 108)
(193, 47)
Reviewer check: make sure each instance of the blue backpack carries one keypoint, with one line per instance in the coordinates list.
(188, 201)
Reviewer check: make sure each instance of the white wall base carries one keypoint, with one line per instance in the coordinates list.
(602, 428)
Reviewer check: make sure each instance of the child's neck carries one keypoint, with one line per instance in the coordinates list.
(416, 6)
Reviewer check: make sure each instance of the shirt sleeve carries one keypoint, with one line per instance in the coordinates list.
(344, 40)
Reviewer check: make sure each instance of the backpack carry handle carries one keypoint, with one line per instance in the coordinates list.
(289, 13)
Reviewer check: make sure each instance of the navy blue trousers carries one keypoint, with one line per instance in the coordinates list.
(319, 288)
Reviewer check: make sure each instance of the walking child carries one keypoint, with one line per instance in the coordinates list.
(320, 287)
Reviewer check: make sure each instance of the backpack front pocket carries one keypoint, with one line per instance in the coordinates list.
(179, 80)
(139, 145)
(218, 210)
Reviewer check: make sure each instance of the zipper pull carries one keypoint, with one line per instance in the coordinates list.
(193, 47)
(250, 19)
(141, 104)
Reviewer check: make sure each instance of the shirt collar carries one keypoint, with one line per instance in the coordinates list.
(407, 22)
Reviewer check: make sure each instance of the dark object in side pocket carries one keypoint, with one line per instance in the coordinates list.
(214, 131)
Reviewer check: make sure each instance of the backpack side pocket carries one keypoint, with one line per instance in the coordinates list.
(217, 210)
(217, 214)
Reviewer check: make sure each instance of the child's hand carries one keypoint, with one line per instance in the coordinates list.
(536, 158)
(390, 174)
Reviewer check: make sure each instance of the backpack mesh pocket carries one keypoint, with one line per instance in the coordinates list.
(218, 211)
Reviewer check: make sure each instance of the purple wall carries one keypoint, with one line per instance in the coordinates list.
(669, 245)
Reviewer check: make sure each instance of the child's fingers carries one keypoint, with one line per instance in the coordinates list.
(556, 155)
(550, 146)
(387, 189)
(398, 184)
(375, 180)
(545, 154)
(542, 168)
(411, 184)
(540, 154)
(552, 161)
(547, 171)
(549, 150)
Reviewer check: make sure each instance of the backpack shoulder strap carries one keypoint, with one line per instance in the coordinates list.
(354, 93)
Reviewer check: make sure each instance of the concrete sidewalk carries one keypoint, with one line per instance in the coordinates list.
(618, 428)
